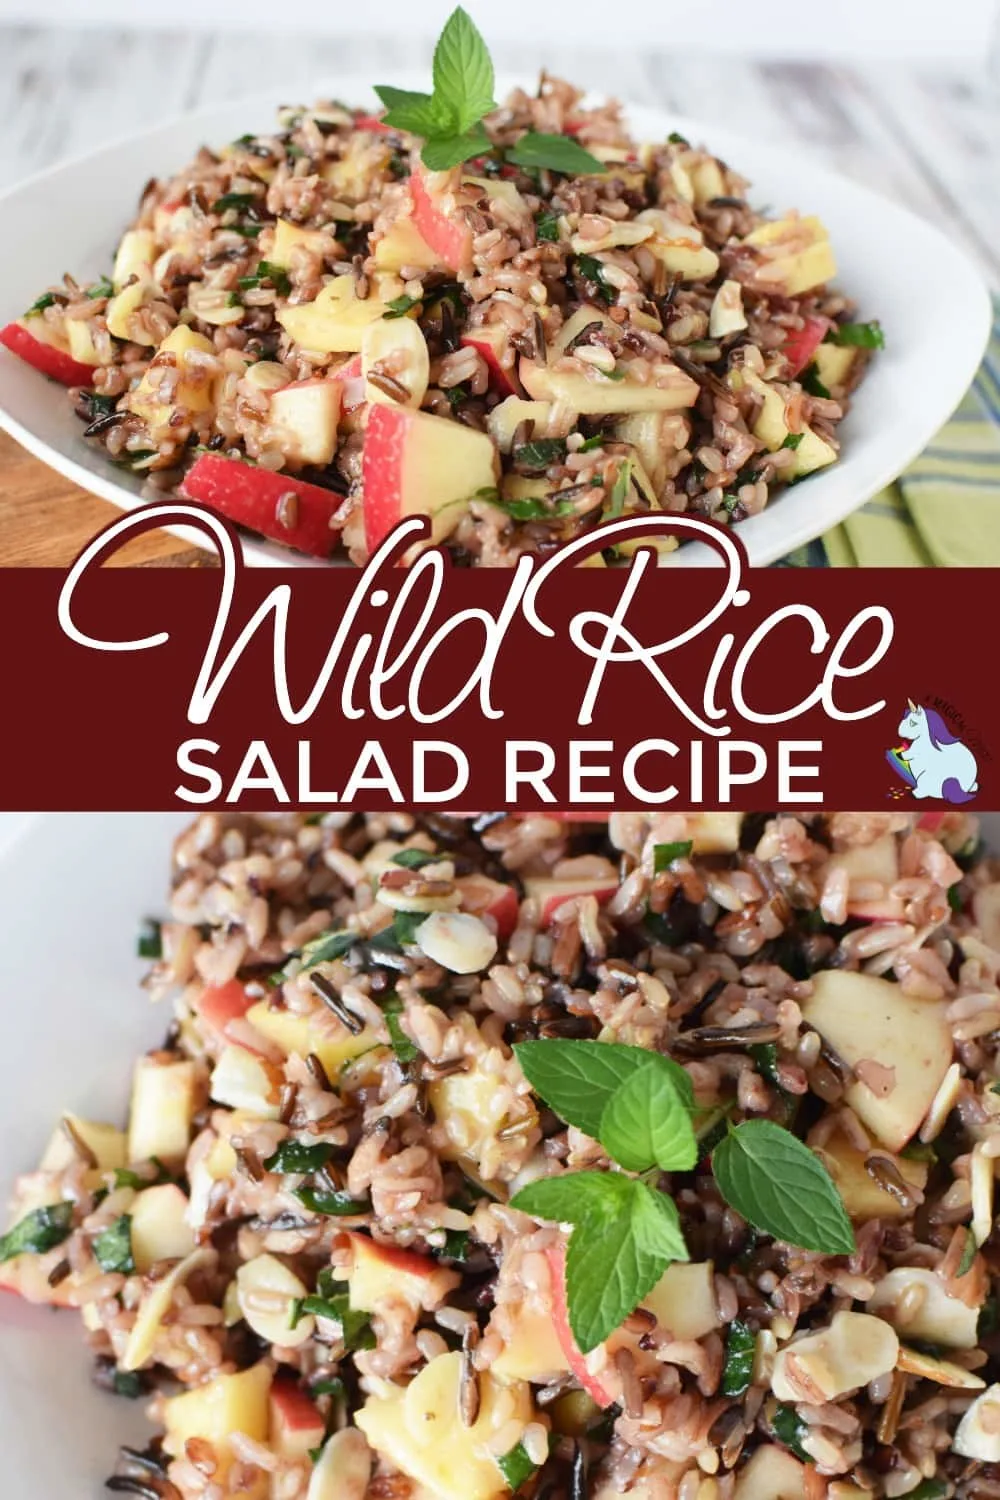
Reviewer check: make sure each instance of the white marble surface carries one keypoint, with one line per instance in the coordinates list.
(927, 135)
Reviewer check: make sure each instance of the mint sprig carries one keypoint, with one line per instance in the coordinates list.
(578, 1079)
(773, 1179)
(555, 153)
(449, 119)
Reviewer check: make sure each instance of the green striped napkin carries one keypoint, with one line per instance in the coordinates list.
(944, 510)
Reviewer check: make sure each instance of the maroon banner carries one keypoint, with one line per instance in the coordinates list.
(551, 686)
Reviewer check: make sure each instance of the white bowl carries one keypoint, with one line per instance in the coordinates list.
(930, 299)
(74, 888)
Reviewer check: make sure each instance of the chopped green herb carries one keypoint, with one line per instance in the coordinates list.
(919, 1151)
(130, 1384)
(333, 1387)
(299, 1156)
(248, 231)
(765, 1055)
(456, 394)
(955, 900)
(737, 1371)
(400, 306)
(149, 943)
(456, 1245)
(676, 139)
(532, 508)
(233, 201)
(356, 1326)
(554, 153)
(40, 1231)
(516, 1467)
(859, 335)
(102, 288)
(927, 1489)
(665, 854)
(540, 453)
(620, 488)
(47, 299)
(789, 1428)
(126, 1178)
(598, 440)
(413, 859)
(793, 439)
(323, 949)
(113, 1248)
(266, 271)
(615, 374)
(812, 384)
(392, 1009)
(547, 227)
(334, 1204)
(592, 272)
(968, 1254)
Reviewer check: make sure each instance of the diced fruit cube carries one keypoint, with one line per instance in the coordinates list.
(218, 1410)
(930, 1313)
(833, 364)
(163, 1105)
(505, 418)
(258, 499)
(681, 247)
(532, 1350)
(684, 1299)
(416, 464)
(862, 1195)
(219, 1004)
(194, 391)
(801, 346)
(551, 894)
(496, 349)
(297, 1425)
(332, 1043)
(303, 419)
(669, 390)
(80, 337)
(843, 1356)
(421, 1432)
(490, 898)
(715, 833)
(121, 312)
(136, 253)
(288, 236)
(395, 347)
(386, 1273)
(469, 1109)
(160, 1230)
(404, 245)
(107, 1142)
(771, 1473)
(771, 426)
(441, 226)
(865, 1019)
(336, 321)
(34, 341)
(809, 261)
(241, 1080)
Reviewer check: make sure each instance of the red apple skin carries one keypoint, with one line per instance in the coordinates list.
(382, 464)
(800, 346)
(489, 898)
(931, 822)
(371, 122)
(219, 1004)
(451, 241)
(552, 901)
(297, 1424)
(53, 362)
(392, 1255)
(556, 1256)
(250, 496)
(481, 340)
(352, 380)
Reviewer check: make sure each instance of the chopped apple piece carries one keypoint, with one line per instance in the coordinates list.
(136, 253)
(771, 1474)
(421, 1432)
(505, 418)
(492, 343)
(107, 1143)
(296, 1035)
(194, 392)
(469, 1109)
(844, 1356)
(160, 1230)
(81, 342)
(281, 506)
(303, 419)
(669, 390)
(681, 247)
(386, 1273)
(583, 318)
(288, 237)
(395, 347)
(865, 1019)
(532, 1349)
(833, 364)
(404, 245)
(218, 1005)
(484, 897)
(771, 426)
(715, 833)
(707, 180)
(297, 1425)
(154, 1308)
(163, 1105)
(727, 315)
(416, 464)
(552, 894)
(439, 222)
(242, 1080)
(862, 1195)
(336, 321)
(266, 1291)
(684, 1299)
(809, 261)
(121, 311)
(216, 1412)
(41, 347)
(931, 1314)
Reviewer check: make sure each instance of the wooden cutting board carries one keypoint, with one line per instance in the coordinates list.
(45, 521)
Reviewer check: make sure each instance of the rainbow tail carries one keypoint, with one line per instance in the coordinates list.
(900, 766)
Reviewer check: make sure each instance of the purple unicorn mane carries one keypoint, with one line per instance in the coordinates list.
(939, 732)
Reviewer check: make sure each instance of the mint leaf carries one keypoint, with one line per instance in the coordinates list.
(577, 1079)
(570, 1198)
(404, 1049)
(779, 1186)
(40, 1231)
(299, 1156)
(463, 74)
(665, 854)
(646, 1123)
(859, 335)
(616, 1257)
(557, 153)
(355, 1326)
(113, 1249)
(412, 859)
(737, 1371)
(410, 111)
(516, 1467)
(337, 1204)
(444, 151)
(789, 1428)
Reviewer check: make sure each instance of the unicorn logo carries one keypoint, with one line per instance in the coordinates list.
(931, 760)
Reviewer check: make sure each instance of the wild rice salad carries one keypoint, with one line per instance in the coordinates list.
(303, 1249)
(317, 334)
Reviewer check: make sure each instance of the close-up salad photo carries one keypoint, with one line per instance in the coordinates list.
(496, 1155)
